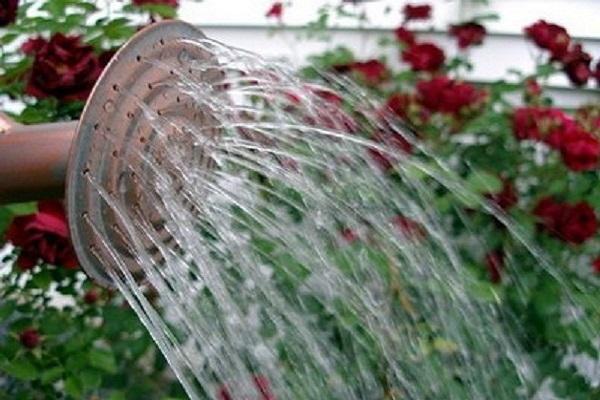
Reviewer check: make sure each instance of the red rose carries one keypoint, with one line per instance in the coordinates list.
(349, 235)
(597, 73)
(540, 123)
(576, 64)
(468, 34)
(8, 11)
(404, 36)
(261, 383)
(394, 141)
(551, 37)
(172, 3)
(579, 149)
(91, 296)
(549, 213)
(533, 90)
(44, 235)
(589, 118)
(494, 262)
(64, 68)
(276, 11)
(416, 11)
(442, 94)
(506, 198)
(579, 223)
(399, 103)
(408, 227)
(573, 223)
(424, 57)
(596, 265)
(29, 338)
(371, 72)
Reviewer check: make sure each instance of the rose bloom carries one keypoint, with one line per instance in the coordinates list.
(596, 265)
(506, 198)
(275, 11)
(372, 72)
(494, 262)
(172, 3)
(404, 36)
(8, 11)
(579, 149)
(576, 64)
(349, 235)
(442, 94)
(262, 385)
(63, 67)
(424, 57)
(468, 34)
(572, 223)
(588, 117)
(532, 89)
(399, 103)
(416, 11)
(540, 123)
(43, 236)
(394, 142)
(551, 37)
(29, 338)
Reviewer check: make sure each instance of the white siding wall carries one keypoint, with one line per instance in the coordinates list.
(242, 23)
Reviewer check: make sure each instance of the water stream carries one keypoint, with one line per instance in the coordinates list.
(288, 263)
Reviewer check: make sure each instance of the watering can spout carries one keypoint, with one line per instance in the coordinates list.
(33, 160)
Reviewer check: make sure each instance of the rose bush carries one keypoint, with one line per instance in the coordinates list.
(530, 159)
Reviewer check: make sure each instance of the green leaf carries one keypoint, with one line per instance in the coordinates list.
(163, 10)
(117, 396)
(42, 279)
(73, 387)
(23, 208)
(52, 375)
(103, 360)
(5, 218)
(90, 379)
(6, 309)
(484, 182)
(20, 369)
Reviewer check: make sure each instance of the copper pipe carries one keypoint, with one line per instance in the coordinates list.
(33, 160)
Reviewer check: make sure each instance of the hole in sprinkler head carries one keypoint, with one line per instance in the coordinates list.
(161, 41)
(115, 87)
(115, 153)
(150, 86)
(109, 106)
(142, 139)
(138, 58)
(171, 72)
(178, 99)
(130, 115)
(86, 171)
(96, 126)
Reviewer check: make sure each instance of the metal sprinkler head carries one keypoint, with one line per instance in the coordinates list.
(114, 134)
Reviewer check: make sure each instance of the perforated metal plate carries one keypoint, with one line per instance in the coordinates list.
(112, 134)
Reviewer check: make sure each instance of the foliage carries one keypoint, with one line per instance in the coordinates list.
(535, 162)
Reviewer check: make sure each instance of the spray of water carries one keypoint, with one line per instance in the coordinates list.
(290, 263)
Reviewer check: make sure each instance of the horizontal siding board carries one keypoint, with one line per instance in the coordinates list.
(491, 61)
